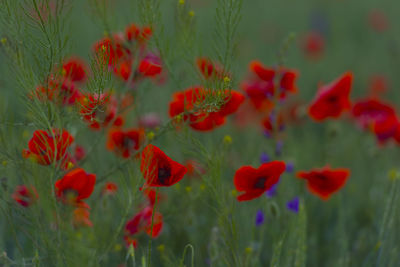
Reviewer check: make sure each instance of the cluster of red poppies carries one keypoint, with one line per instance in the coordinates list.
(264, 93)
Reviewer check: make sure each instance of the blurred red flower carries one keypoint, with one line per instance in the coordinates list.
(254, 182)
(25, 195)
(332, 99)
(379, 117)
(75, 186)
(150, 66)
(81, 217)
(158, 169)
(378, 85)
(262, 86)
(142, 222)
(313, 45)
(377, 20)
(109, 189)
(139, 34)
(203, 120)
(210, 69)
(75, 70)
(46, 148)
(125, 142)
(326, 181)
(111, 51)
(98, 110)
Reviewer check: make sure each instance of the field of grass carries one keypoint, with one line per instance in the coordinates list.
(82, 182)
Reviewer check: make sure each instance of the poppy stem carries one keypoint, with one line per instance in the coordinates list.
(151, 233)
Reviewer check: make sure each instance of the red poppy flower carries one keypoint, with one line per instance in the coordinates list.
(288, 82)
(326, 181)
(271, 124)
(262, 72)
(377, 116)
(45, 147)
(367, 111)
(141, 222)
(261, 86)
(25, 195)
(141, 35)
(79, 153)
(378, 85)
(62, 93)
(75, 186)
(111, 51)
(98, 110)
(386, 129)
(124, 69)
(125, 142)
(158, 169)
(194, 168)
(313, 45)
(81, 217)
(377, 20)
(332, 99)
(151, 196)
(150, 66)
(254, 182)
(109, 189)
(210, 69)
(74, 69)
(202, 120)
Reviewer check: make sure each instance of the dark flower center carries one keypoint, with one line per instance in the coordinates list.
(332, 99)
(163, 174)
(321, 177)
(128, 143)
(260, 183)
(70, 195)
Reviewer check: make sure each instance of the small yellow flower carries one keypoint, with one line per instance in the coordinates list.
(378, 245)
(117, 247)
(4, 162)
(79, 235)
(234, 193)
(161, 248)
(248, 250)
(70, 165)
(227, 140)
(150, 135)
(393, 174)
(227, 79)
(25, 134)
(181, 2)
(3, 40)
(188, 189)
(178, 118)
(191, 13)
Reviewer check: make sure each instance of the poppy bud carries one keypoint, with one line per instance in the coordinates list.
(274, 209)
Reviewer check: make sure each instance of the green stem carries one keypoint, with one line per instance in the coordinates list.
(151, 233)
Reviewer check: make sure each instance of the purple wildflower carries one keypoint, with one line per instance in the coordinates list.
(267, 134)
(289, 166)
(278, 148)
(259, 218)
(293, 205)
(264, 158)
